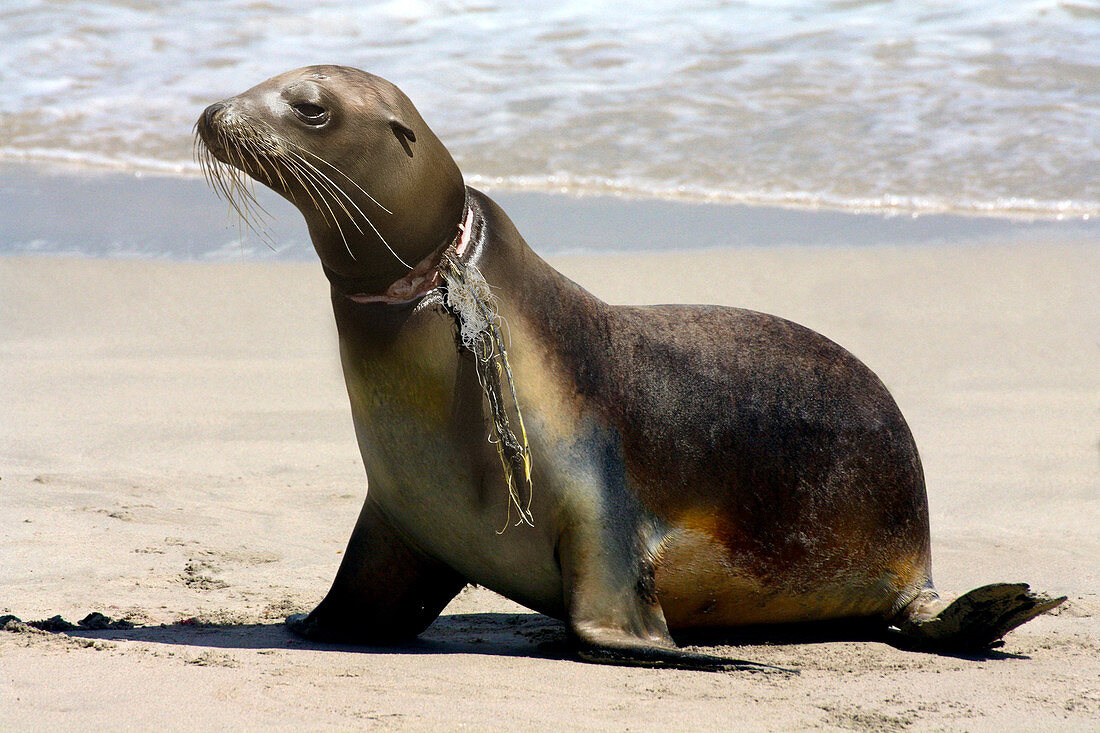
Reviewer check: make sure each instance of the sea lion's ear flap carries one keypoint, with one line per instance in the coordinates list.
(404, 134)
(402, 130)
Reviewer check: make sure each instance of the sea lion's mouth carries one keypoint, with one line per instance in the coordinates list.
(211, 133)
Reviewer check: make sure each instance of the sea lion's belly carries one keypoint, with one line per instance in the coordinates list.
(702, 583)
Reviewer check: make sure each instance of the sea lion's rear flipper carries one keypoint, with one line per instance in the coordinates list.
(385, 591)
(977, 620)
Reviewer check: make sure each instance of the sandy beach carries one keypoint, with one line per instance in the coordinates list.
(176, 450)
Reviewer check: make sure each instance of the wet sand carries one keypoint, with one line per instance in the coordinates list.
(176, 449)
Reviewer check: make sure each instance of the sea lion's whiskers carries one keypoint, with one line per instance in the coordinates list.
(350, 180)
(250, 210)
(275, 136)
(197, 150)
(331, 188)
(215, 175)
(269, 180)
(279, 173)
(260, 153)
(321, 183)
(244, 185)
(226, 178)
(261, 142)
(312, 185)
(352, 201)
(316, 193)
(337, 189)
(221, 173)
(229, 183)
(255, 215)
(307, 186)
(212, 173)
(218, 174)
(305, 171)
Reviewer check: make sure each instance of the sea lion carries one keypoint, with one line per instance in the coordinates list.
(629, 470)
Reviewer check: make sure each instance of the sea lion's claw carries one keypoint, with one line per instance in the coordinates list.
(306, 626)
(296, 624)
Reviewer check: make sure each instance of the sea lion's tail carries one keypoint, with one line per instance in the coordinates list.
(973, 622)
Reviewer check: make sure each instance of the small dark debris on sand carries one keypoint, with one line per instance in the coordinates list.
(53, 623)
(94, 621)
(13, 624)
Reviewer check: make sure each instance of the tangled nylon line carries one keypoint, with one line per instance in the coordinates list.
(468, 298)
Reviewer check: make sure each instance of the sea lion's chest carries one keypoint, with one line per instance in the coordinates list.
(423, 430)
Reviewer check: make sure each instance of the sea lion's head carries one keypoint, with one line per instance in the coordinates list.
(375, 185)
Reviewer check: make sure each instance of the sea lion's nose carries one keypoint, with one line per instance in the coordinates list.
(211, 112)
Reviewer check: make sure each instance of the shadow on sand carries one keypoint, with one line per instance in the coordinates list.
(506, 634)
(500, 634)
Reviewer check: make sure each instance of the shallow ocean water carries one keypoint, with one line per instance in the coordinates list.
(978, 107)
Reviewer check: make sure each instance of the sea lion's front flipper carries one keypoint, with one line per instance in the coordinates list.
(977, 620)
(384, 592)
(615, 617)
(641, 655)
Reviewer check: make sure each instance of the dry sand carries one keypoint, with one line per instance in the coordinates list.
(175, 446)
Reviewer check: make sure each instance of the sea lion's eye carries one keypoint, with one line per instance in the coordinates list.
(311, 114)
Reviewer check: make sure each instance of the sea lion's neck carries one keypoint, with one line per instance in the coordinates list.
(367, 246)
(410, 282)
(486, 240)
(421, 279)
(389, 266)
